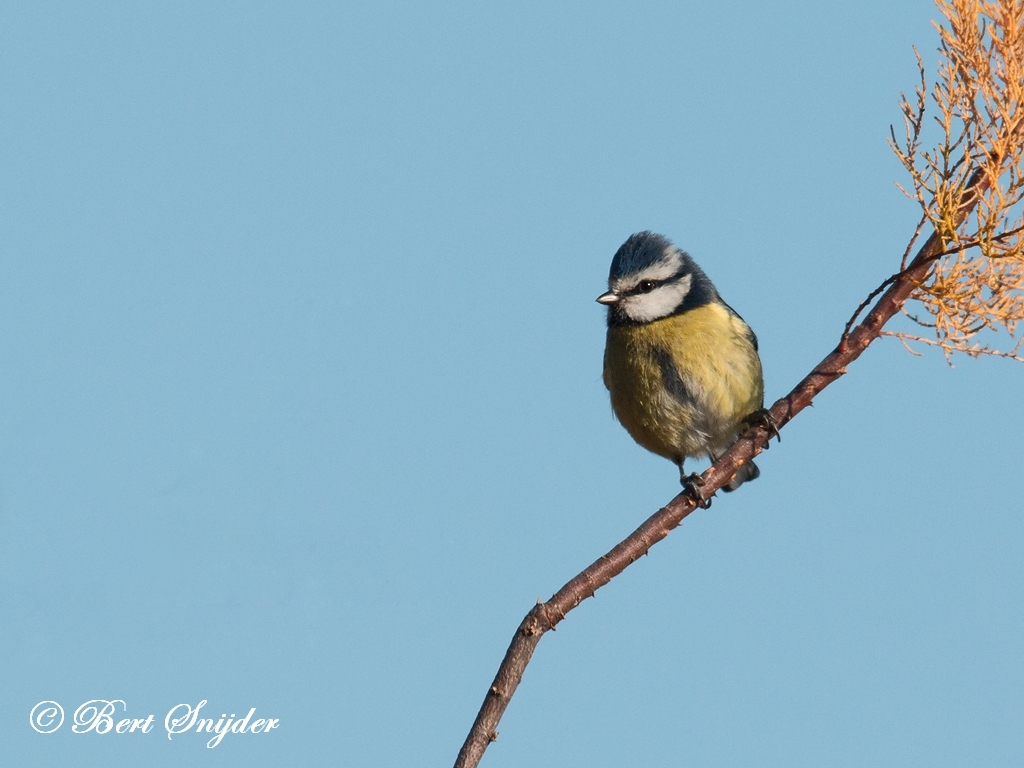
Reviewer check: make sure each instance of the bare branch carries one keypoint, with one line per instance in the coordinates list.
(545, 616)
(968, 188)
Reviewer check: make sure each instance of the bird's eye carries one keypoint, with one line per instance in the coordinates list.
(646, 286)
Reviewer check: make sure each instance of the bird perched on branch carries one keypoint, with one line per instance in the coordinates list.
(681, 365)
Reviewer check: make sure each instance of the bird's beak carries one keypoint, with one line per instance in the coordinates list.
(607, 298)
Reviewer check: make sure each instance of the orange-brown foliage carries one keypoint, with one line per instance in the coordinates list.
(979, 98)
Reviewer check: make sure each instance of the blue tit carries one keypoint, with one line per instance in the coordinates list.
(681, 365)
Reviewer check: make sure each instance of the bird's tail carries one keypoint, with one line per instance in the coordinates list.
(748, 471)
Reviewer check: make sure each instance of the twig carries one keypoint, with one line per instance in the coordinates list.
(905, 338)
(934, 257)
(910, 246)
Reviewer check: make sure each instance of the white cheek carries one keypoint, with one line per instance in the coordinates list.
(661, 302)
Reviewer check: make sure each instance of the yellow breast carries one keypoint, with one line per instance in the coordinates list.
(682, 385)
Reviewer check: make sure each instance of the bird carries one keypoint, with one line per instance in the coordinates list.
(681, 366)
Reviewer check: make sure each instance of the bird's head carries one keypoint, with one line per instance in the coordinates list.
(651, 278)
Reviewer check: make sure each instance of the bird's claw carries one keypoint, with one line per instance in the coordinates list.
(693, 486)
(763, 418)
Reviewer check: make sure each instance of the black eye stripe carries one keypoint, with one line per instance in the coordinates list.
(646, 286)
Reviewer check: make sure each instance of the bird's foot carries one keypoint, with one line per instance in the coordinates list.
(763, 418)
(694, 487)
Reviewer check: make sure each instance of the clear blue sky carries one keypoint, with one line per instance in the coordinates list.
(301, 407)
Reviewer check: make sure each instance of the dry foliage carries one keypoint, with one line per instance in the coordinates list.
(978, 284)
